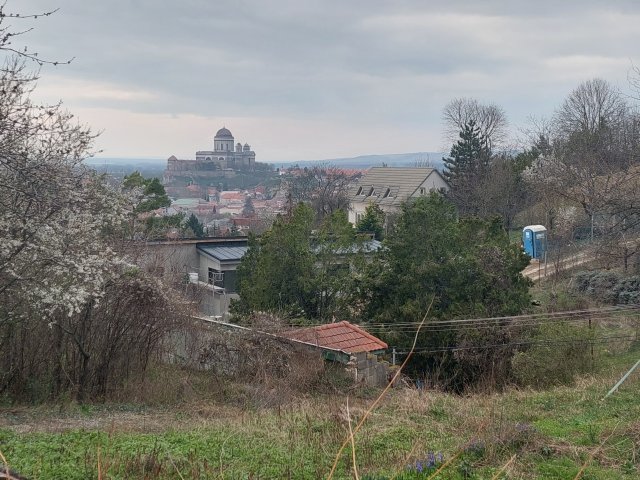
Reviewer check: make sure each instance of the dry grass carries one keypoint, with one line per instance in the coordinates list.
(545, 430)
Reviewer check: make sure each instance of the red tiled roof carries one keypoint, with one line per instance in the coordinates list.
(232, 196)
(340, 336)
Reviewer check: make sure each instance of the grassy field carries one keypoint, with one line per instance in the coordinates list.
(532, 434)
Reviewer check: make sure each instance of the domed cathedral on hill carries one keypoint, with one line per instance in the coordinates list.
(225, 156)
(238, 157)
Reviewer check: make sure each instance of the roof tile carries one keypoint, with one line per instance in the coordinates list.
(342, 336)
(401, 183)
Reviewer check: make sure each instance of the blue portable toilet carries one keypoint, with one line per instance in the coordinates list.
(534, 241)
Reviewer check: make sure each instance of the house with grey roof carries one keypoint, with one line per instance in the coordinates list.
(218, 263)
(211, 264)
(390, 187)
(208, 263)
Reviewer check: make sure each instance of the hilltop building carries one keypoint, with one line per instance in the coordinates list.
(240, 157)
(225, 156)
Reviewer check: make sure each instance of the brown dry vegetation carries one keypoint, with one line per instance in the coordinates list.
(551, 433)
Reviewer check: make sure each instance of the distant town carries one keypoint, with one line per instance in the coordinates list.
(228, 190)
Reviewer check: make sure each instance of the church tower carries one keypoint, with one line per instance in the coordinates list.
(223, 141)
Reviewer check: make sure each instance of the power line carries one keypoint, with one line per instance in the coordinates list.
(609, 339)
(572, 314)
(604, 313)
(433, 328)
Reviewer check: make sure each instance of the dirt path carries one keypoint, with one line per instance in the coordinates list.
(28, 422)
(537, 270)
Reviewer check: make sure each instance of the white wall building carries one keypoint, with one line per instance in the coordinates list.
(390, 187)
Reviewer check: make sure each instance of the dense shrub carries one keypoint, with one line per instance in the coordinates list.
(455, 268)
(270, 370)
(558, 353)
(89, 355)
(609, 287)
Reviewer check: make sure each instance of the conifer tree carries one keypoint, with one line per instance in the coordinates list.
(151, 193)
(464, 169)
(195, 226)
(248, 210)
(372, 221)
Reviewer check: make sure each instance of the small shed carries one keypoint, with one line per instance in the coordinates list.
(348, 344)
(339, 336)
(534, 241)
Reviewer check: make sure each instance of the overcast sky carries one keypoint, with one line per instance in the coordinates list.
(316, 79)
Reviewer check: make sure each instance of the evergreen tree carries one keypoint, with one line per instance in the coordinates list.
(467, 267)
(372, 221)
(248, 210)
(468, 162)
(195, 226)
(273, 272)
(159, 227)
(295, 270)
(152, 194)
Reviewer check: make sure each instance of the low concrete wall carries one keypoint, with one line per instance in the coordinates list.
(191, 347)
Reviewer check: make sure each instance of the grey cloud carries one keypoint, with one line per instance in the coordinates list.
(369, 59)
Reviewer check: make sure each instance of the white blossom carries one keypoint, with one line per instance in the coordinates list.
(54, 211)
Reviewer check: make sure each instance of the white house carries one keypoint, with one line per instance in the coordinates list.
(390, 187)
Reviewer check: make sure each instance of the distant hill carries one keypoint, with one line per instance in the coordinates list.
(365, 161)
(119, 167)
(155, 166)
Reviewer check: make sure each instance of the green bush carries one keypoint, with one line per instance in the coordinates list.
(551, 360)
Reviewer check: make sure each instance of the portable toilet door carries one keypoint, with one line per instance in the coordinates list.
(534, 241)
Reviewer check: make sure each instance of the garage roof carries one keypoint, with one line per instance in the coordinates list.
(224, 253)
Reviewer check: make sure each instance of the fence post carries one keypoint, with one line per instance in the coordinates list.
(615, 387)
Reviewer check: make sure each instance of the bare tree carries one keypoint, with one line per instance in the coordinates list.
(591, 161)
(502, 189)
(633, 77)
(593, 105)
(325, 187)
(491, 120)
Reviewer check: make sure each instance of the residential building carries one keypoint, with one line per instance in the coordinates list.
(208, 263)
(390, 187)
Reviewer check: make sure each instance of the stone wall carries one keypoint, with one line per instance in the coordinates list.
(190, 348)
(370, 369)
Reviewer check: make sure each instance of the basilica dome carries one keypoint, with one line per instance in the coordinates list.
(224, 133)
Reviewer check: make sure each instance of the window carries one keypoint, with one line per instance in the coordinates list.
(386, 193)
(226, 279)
(423, 191)
(216, 277)
(359, 191)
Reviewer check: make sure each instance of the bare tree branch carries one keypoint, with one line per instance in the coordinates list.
(8, 36)
(491, 120)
